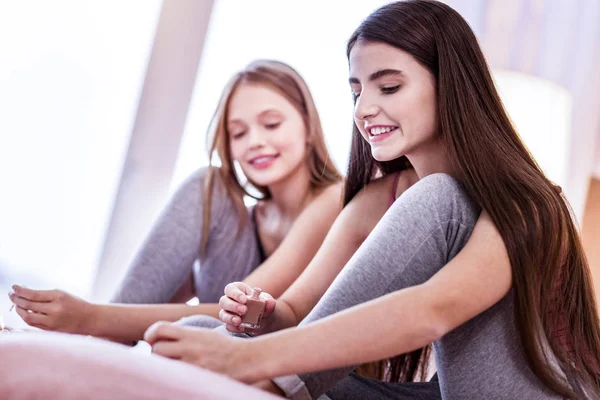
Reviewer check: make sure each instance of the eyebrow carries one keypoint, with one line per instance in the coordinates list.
(260, 115)
(379, 74)
(269, 111)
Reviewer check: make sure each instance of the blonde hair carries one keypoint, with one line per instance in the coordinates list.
(287, 82)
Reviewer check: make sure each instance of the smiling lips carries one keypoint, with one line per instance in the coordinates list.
(378, 133)
(263, 161)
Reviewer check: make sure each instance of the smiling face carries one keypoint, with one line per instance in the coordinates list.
(267, 134)
(395, 101)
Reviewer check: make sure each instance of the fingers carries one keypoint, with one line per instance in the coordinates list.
(270, 304)
(24, 303)
(228, 304)
(169, 349)
(265, 295)
(163, 331)
(229, 318)
(35, 295)
(238, 291)
(234, 329)
(32, 318)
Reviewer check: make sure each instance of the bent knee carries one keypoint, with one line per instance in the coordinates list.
(439, 195)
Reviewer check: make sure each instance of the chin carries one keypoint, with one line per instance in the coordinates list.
(264, 178)
(260, 180)
(381, 155)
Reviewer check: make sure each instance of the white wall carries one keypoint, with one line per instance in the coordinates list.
(70, 74)
(541, 111)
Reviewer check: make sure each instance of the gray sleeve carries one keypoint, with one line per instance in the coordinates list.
(293, 387)
(166, 258)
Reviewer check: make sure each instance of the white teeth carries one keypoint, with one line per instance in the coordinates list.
(262, 159)
(379, 130)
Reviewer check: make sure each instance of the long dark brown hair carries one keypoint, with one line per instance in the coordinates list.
(555, 308)
(286, 81)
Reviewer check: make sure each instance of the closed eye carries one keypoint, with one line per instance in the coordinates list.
(390, 89)
(273, 125)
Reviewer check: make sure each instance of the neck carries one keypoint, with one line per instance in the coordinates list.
(291, 194)
(430, 160)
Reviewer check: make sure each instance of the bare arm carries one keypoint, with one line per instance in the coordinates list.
(128, 322)
(340, 244)
(348, 232)
(60, 311)
(299, 246)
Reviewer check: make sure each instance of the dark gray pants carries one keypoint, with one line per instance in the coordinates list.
(357, 387)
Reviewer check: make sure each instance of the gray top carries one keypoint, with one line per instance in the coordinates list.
(171, 252)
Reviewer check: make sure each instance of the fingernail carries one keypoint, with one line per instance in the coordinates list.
(243, 299)
(236, 320)
(242, 309)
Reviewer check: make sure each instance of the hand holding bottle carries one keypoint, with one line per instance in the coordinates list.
(244, 308)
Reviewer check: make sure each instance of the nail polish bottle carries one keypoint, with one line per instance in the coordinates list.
(256, 307)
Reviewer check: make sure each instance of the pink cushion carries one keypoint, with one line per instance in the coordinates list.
(58, 366)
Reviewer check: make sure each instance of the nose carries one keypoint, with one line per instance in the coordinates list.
(256, 138)
(365, 108)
